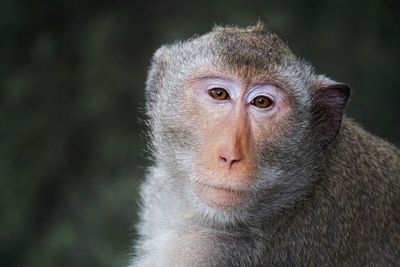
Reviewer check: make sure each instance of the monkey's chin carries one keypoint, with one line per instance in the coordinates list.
(220, 197)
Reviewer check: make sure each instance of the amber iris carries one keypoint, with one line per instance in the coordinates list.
(218, 93)
(261, 102)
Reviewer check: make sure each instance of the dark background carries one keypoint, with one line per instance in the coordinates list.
(72, 76)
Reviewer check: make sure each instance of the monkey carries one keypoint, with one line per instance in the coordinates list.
(254, 162)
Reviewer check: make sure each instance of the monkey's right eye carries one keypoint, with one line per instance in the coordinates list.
(218, 93)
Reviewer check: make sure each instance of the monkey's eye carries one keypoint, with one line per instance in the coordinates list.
(218, 93)
(261, 101)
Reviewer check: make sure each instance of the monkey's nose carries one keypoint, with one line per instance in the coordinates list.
(229, 160)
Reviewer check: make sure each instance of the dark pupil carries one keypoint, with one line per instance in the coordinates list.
(220, 93)
(261, 102)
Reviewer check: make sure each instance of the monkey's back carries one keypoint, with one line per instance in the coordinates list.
(352, 217)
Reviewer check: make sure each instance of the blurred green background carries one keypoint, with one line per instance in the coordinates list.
(72, 73)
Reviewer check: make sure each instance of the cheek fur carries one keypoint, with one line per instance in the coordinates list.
(267, 130)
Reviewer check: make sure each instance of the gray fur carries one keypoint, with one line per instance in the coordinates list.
(314, 204)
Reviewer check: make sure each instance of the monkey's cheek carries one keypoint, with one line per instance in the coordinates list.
(221, 198)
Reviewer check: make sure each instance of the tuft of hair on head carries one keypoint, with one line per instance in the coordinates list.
(259, 27)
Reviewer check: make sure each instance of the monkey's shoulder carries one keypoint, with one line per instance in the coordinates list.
(364, 156)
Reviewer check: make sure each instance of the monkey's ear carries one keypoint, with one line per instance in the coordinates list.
(155, 78)
(330, 101)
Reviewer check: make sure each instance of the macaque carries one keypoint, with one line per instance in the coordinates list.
(254, 163)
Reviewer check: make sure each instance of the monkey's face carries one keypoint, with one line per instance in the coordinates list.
(238, 122)
(235, 119)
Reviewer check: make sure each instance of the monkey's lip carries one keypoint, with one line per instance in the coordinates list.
(219, 196)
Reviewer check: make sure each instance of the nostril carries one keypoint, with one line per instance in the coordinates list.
(235, 161)
(223, 159)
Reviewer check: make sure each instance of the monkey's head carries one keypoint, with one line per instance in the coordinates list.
(239, 123)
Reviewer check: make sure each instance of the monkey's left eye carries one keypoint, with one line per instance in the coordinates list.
(218, 93)
(262, 101)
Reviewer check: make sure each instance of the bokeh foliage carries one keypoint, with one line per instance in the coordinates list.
(71, 98)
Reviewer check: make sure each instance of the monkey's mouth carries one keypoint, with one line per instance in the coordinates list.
(219, 196)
